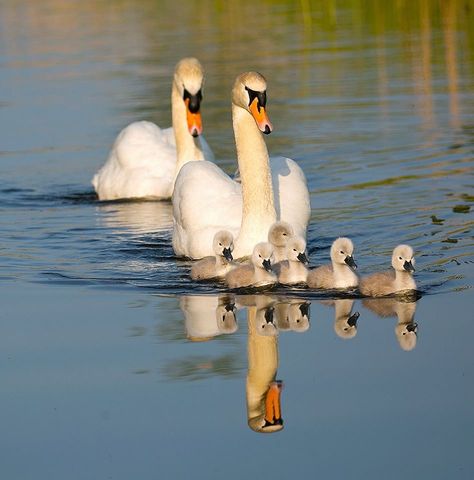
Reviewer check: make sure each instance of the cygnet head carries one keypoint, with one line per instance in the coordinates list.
(225, 317)
(298, 316)
(265, 322)
(280, 233)
(402, 259)
(223, 244)
(341, 252)
(262, 256)
(407, 335)
(188, 80)
(347, 328)
(296, 250)
(250, 93)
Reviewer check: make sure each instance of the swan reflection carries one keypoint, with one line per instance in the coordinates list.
(345, 322)
(138, 217)
(406, 329)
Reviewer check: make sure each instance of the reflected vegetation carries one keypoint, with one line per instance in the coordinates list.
(403, 309)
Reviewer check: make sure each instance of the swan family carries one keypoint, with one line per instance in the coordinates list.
(260, 219)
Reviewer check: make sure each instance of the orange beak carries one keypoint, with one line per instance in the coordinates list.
(272, 403)
(261, 117)
(194, 121)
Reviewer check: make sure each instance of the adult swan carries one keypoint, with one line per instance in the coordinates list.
(145, 159)
(206, 200)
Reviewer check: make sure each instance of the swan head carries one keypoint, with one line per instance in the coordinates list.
(280, 233)
(262, 256)
(341, 252)
(402, 259)
(250, 93)
(296, 250)
(188, 79)
(269, 419)
(223, 244)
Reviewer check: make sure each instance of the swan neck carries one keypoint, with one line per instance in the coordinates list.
(188, 148)
(254, 164)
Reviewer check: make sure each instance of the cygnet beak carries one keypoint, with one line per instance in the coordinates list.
(227, 252)
(349, 260)
(408, 266)
(304, 309)
(269, 315)
(230, 307)
(352, 320)
(302, 258)
(412, 327)
(267, 265)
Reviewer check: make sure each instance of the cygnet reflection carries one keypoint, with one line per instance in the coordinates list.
(406, 329)
(293, 314)
(137, 217)
(207, 316)
(345, 322)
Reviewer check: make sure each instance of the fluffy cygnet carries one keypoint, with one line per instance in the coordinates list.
(293, 270)
(340, 274)
(394, 281)
(257, 273)
(221, 263)
(278, 236)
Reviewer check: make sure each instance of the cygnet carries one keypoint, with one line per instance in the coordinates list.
(221, 263)
(340, 274)
(293, 270)
(394, 281)
(257, 273)
(278, 236)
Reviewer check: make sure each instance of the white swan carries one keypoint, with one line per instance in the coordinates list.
(145, 159)
(206, 200)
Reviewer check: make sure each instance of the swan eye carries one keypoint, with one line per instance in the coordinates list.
(260, 96)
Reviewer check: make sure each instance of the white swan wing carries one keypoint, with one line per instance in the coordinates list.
(141, 163)
(292, 200)
(205, 200)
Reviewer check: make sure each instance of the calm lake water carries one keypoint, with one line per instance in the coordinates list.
(113, 364)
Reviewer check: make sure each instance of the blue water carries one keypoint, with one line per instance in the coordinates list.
(114, 364)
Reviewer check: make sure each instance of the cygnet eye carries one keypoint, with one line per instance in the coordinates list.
(400, 258)
(220, 244)
(294, 249)
(284, 234)
(341, 252)
(259, 256)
